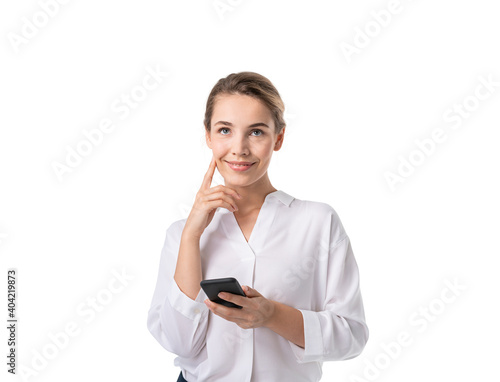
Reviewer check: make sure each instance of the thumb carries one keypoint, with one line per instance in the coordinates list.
(250, 292)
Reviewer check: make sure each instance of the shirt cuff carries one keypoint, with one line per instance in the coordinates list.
(192, 309)
(313, 340)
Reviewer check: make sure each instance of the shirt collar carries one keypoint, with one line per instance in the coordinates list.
(281, 196)
(273, 197)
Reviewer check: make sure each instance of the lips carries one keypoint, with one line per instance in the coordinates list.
(240, 163)
(240, 166)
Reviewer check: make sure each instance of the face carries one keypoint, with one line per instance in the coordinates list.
(242, 130)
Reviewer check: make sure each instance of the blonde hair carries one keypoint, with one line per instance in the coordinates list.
(251, 84)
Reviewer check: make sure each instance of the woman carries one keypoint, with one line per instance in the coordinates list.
(303, 304)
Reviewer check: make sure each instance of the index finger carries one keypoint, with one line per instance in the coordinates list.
(207, 180)
(234, 298)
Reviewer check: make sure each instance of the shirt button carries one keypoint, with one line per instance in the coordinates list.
(197, 311)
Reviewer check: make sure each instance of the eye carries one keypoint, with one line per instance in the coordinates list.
(260, 132)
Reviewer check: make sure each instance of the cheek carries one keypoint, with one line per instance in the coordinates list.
(218, 148)
(265, 150)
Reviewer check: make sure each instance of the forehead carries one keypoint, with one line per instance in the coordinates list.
(238, 108)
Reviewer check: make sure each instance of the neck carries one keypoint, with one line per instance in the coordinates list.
(253, 195)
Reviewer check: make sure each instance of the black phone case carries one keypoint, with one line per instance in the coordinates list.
(213, 287)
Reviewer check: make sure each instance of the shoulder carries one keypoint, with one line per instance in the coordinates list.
(175, 228)
(313, 207)
(320, 213)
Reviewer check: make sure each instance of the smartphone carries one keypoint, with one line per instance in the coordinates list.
(213, 287)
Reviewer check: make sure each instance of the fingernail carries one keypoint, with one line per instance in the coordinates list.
(239, 196)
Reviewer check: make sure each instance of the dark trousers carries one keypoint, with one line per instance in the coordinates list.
(181, 378)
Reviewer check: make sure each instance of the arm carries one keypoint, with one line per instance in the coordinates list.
(339, 331)
(188, 268)
(177, 320)
(288, 323)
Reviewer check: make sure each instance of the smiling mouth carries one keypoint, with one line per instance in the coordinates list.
(239, 163)
(239, 167)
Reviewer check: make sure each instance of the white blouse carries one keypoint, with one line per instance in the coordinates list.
(298, 254)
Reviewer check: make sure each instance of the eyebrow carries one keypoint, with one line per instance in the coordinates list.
(253, 125)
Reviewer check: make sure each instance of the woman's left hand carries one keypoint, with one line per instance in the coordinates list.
(257, 310)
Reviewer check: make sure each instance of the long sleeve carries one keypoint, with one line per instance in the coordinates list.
(339, 331)
(177, 322)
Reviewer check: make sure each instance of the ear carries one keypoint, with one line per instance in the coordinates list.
(207, 139)
(279, 140)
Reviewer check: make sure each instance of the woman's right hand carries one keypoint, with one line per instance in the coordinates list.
(206, 203)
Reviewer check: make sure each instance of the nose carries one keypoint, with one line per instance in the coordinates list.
(240, 145)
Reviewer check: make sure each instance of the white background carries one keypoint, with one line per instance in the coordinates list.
(351, 118)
